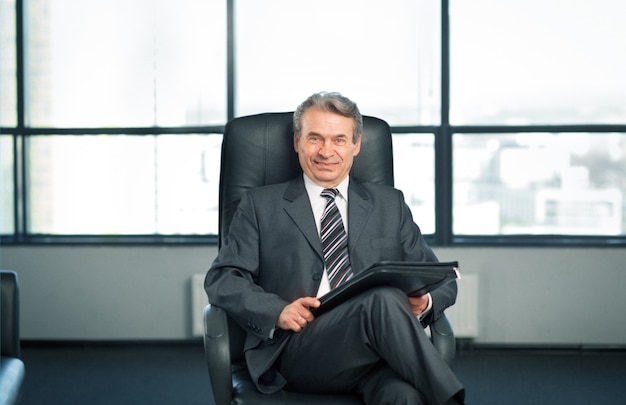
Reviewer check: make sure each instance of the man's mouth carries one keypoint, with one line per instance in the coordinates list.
(325, 165)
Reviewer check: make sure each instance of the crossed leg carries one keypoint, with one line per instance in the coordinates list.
(347, 345)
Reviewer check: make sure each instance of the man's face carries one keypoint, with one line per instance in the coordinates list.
(325, 148)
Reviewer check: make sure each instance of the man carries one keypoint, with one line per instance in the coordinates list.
(276, 261)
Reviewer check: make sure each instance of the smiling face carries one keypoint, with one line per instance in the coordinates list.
(325, 147)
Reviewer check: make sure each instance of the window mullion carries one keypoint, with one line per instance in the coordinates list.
(19, 153)
(443, 142)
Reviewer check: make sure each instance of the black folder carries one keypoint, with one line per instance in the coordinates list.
(414, 278)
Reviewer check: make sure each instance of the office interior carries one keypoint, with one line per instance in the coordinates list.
(524, 291)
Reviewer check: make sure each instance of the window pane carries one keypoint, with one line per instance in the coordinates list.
(383, 55)
(537, 62)
(122, 63)
(188, 183)
(6, 185)
(120, 184)
(8, 76)
(564, 184)
(414, 173)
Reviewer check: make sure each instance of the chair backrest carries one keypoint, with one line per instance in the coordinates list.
(257, 150)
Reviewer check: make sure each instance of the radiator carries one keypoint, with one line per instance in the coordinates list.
(464, 314)
(199, 300)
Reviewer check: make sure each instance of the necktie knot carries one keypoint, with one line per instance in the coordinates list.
(330, 193)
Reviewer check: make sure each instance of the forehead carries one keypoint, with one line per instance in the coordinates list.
(322, 122)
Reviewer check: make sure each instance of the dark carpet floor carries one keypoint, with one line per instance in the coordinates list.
(98, 374)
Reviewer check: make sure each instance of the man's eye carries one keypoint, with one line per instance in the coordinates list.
(340, 141)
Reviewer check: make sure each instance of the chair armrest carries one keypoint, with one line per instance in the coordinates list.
(9, 318)
(12, 374)
(217, 352)
(442, 336)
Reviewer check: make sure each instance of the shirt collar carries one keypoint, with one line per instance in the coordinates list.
(314, 189)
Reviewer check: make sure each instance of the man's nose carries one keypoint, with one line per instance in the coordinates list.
(326, 149)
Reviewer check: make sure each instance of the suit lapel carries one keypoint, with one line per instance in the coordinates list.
(359, 209)
(298, 207)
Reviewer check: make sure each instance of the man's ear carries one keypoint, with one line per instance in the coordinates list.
(295, 142)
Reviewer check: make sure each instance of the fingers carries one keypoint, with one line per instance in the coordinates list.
(293, 321)
(310, 302)
(297, 315)
(301, 321)
(303, 312)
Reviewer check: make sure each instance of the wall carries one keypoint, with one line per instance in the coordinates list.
(536, 296)
(548, 296)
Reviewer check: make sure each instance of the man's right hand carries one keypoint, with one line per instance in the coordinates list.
(297, 315)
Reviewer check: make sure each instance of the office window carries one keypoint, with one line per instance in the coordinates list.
(133, 65)
(540, 184)
(8, 69)
(537, 62)
(120, 63)
(414, 174)
(123, 184)
(383, 54)
(6, 184)
(116, 108)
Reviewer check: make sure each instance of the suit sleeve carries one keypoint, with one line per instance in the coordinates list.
(415, 248)
(231, 282)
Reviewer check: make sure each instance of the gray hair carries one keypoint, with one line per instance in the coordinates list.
(332, 102)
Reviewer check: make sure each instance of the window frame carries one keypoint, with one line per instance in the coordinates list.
(444, 133)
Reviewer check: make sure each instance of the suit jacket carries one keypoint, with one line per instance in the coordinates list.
(273, 256)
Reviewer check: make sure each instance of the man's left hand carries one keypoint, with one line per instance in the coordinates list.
(419, 304)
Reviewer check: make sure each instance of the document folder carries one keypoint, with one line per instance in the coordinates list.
(414, 278)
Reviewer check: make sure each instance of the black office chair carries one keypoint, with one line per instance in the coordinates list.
(258, 150)
(12, 369)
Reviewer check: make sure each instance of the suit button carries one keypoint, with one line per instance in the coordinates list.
(317, 276)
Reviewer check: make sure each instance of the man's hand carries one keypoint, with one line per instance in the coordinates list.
(297, 315)
(419, 304)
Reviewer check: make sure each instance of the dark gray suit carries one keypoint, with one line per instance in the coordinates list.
(273, 256)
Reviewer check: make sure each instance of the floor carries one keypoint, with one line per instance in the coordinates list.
(176, 374)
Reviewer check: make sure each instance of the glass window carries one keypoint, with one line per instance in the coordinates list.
(119, 184)
(120, 63)
(540, 183)
(383, 55)
(414, 174)
(92, 67)
(6, 185)
(8, 73)
(537, 62)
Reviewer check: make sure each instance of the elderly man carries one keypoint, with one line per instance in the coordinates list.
(290, 243)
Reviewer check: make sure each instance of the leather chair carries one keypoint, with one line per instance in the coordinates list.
(258, 150)
(12, 369)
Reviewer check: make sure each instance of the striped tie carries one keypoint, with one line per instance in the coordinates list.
(334, 241)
